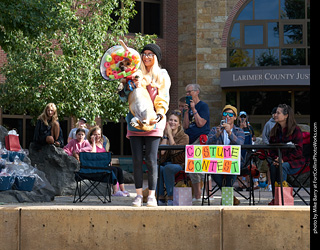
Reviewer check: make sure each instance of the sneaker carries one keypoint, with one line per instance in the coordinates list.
(270, 188)
(137, 202)
(118, 193)
(126, 193)
(196, 201)
(170, 203)
(152, 201)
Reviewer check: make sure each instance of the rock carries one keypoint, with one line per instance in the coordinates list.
(42, 190)
(127, 177)
(58, 167)
(52, 165)
(13, 196)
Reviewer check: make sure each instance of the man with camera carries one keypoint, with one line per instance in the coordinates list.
(196, 122)
(226, 134)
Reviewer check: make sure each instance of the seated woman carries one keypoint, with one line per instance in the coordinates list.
(173, 135)
(99, 144)
(285, 131)
(75, 146)
(48, 130)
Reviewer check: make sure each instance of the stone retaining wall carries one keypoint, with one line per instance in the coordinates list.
(102, 227)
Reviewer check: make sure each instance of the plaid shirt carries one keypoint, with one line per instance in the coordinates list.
(293, 156)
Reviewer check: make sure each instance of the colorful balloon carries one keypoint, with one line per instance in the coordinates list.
(117, 62)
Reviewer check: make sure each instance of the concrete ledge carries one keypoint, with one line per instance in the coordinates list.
(10, 227)
(100, 227)
(266, 227)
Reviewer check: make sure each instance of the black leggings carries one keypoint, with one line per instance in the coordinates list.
(118, 173)
(151, 146)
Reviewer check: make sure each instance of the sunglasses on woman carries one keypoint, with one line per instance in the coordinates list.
(228, 113)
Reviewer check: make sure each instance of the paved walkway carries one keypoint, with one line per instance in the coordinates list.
(262, 198)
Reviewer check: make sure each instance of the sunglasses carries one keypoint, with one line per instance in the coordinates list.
(228, 113)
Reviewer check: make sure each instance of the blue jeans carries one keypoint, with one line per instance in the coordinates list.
(286, 170)
(229, 180)
(167, 177)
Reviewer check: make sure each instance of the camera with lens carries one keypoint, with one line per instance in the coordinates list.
(222, 122)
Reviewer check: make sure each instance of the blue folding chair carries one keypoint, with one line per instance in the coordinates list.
(93, 171)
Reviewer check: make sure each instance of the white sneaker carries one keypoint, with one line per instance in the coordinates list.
(152, 201)
(196, 201)
(269, 188)
(137, 202)
(211, 199)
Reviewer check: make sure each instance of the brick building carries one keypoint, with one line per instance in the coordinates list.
(253, 54)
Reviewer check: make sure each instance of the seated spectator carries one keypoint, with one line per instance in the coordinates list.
(98, 145)
(226, 134)
(243, 123)
(268, 126)
(285, 131)
(173, 161)
(75, 146)
(82, 123)
(48, 130)
(265, 139)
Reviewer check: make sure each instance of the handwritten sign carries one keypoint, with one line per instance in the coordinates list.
(213, 159)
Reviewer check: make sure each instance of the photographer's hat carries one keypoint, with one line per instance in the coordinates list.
(234, 109)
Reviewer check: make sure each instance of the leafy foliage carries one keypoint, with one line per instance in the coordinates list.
(63, 66)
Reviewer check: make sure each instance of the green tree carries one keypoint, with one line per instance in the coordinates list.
(32, 17)
(63, 66)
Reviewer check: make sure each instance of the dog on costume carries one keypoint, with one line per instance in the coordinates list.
(140, 103)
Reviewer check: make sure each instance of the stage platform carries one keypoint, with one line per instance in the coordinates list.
(61, 224)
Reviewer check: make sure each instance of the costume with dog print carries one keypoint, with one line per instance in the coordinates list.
(158, 85)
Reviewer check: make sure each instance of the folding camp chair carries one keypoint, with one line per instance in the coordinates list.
(298, 185)
(181, 176)
(301, 186)
(249, 162)
(93, 171)
(305, 169)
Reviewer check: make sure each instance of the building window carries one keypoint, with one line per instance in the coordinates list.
(270, 33)
(148, 19)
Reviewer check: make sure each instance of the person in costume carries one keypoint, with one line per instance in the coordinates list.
(158, 88)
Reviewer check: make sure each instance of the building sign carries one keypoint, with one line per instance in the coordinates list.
(213, 159)
(268, 76)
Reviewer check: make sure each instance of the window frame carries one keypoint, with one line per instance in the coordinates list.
(142, 22)
(265, 22)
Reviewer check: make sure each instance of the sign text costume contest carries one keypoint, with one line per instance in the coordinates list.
(213, 159)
